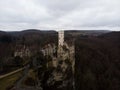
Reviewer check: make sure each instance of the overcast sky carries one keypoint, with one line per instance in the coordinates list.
(59, 14)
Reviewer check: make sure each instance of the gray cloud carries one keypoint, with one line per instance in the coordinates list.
(59, 14)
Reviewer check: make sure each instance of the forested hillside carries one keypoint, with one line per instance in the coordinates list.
(10, 42)
(98, 62)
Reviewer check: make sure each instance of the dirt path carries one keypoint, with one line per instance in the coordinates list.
(13, 72)
(25, 73)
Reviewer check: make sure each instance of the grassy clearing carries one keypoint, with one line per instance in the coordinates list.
(9, 80)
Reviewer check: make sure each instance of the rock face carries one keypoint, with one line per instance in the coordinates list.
(22, 52)
(65, 68)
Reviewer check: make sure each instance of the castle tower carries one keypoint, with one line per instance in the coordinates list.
(60, 43)
(61, 38)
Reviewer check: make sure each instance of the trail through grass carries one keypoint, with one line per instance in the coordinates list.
(9, 80)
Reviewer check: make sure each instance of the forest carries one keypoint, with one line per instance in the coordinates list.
(97, 62)
(97, 55)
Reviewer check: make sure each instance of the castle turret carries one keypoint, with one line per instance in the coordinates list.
(60, 43)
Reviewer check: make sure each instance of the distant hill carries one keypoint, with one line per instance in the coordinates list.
(30, 35)
(86, 32)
